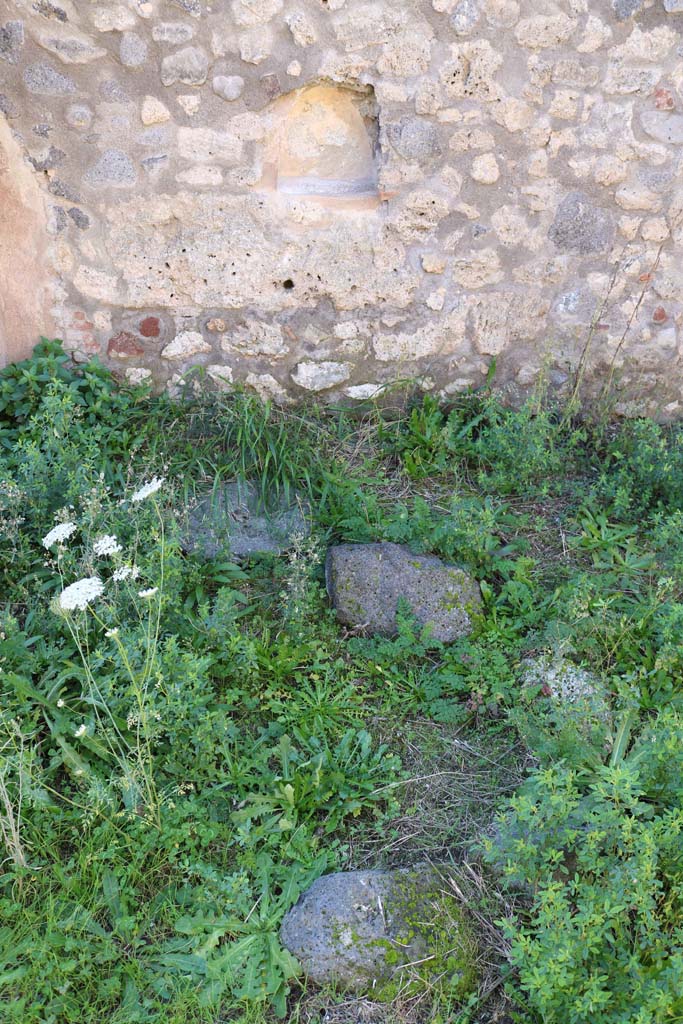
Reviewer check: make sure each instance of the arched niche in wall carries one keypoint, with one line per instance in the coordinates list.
(24, 283)
(323, 146)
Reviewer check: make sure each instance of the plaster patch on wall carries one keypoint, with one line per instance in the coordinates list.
(24, 277)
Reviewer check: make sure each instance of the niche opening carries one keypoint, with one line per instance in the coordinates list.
(324, 144)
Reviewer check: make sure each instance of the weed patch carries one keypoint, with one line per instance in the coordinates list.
(186, 744)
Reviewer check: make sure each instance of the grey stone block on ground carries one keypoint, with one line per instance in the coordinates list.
(348, 928)
(234, 521)
(367, 581)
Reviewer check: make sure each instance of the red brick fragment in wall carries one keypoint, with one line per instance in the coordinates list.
(664, 99)
(660, 315)
(124, 345)
(150, 327)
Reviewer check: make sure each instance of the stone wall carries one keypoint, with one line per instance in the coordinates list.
(323, 196)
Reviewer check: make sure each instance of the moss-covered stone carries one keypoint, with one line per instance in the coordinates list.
(366, 583)
(381, 932)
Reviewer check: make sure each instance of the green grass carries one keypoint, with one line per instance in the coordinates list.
(175, 769)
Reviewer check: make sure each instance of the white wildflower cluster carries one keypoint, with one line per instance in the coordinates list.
(81, 731)
(58, 534)
(106, 545)
(148, 489)
(80, 594)
(125, 572)
(146, 594)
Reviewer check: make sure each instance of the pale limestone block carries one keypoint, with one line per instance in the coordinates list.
(655, 229)
(510, 226)
(436, 299)
(465, 139)
(321, 376)
(653, 46)
(485, 169)
(537, 164)
(153, 111)
(302, 28)
(479, 268)
(267, 388)
(362, 392)
(542, 31)
(565, 104)
(190, 103)
(628, 227)
(186, 344)
(610, 171)
(205, 145)
(248, 127)
(636, 197)
(112, 18)
(565, 139)
(249, 13)
(221, 375)
(513, 114)
(102, 320)
(137, 375)
(201, 176)
(428, 97)
(258, 338)
(501, 13)
(255, 45)
(433, 263)
(596, 33)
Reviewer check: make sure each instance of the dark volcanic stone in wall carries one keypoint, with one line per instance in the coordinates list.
(582, 227)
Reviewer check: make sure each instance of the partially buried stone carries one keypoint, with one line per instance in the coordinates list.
(357, 929)
(367, 582)
(235, 520)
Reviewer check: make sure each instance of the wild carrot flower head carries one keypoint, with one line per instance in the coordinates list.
(80, 594)
(58, 534)
(125, 572)
(106, 545)
(148, 593)
(148, 489)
